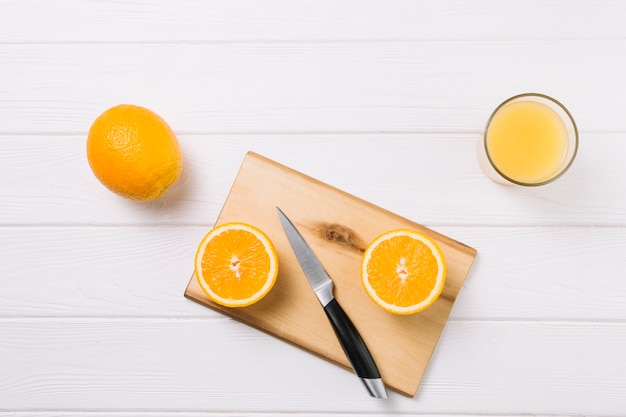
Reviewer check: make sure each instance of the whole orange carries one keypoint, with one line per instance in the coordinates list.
(134, 152)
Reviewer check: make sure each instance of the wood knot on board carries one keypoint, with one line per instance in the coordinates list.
(340, 235)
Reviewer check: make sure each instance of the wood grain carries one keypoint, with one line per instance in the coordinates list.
(315, 87)
(160, 365)
(92, 321)
(243, 20)
(339, 227)
(385, 169)
(77, 273)
(209, 414)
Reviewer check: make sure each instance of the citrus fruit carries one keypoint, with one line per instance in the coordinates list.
(133, 152)
(236, 264)
(403, 271)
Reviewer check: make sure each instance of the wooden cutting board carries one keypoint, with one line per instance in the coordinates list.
(338, 227)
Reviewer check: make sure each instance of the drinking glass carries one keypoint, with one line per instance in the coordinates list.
(530, 139)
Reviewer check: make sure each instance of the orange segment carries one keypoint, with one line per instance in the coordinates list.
(403, 271)
(236, 264)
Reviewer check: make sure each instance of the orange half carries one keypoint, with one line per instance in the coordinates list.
(236, 264)
(403, 271)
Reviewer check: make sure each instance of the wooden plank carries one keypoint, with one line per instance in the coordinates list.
(140, 272)
(338, 226)
(238, 414)
(420, 86)
(48, 182)
(157, 365)
(243, 20)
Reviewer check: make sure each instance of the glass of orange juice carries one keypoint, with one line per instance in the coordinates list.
(530, 139)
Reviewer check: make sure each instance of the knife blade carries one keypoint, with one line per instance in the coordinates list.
(351, 341)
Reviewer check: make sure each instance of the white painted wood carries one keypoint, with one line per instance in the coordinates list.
(219, 414)
(384, 99)
(308, 86)
(224, 20)
(433, 179)
(520, 273)
(210, 414)
(213, 365)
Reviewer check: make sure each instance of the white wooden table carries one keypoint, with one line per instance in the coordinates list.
(383, 99)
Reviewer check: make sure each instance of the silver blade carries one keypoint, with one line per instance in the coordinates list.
(312, 267)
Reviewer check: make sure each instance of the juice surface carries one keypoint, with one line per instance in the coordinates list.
(527, 141)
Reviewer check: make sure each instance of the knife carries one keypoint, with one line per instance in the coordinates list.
(349, 338)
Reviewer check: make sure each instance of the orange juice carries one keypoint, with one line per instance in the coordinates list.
(527, 141)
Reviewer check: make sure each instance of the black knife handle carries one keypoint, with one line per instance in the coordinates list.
(351, 341)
